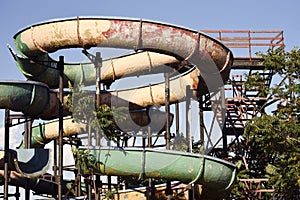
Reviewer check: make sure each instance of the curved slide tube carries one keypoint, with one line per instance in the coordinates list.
(38, 185)
(46, 132)
(215, 175)
(27, 162)
(172, 45)
(28, 97)
(208, 54)
(25, 168)
(135, 64)
(35, 99)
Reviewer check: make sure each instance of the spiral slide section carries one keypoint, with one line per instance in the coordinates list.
(204, 64)
(215, 175)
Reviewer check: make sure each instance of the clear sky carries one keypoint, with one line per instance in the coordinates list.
(195, 14)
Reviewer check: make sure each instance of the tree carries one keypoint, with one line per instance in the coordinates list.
(83, 107)
(275, 138)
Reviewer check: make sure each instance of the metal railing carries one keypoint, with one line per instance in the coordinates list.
(253, 41)
(256, 186)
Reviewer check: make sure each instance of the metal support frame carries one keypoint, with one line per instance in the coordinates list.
(28, 134)
(6, 153)
(188, 118)
(167, 134)
(243, 104)
(98, 65)
(249, 40)
(239, 104)
(27, 121)
(97, 61)
(60, 126)
(188, 131)
(167, 107)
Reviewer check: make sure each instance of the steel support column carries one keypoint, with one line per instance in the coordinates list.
(167, 134)
(60, 126)
(28, 133)
(6, 153)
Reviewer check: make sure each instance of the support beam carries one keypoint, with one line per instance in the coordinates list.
(188, 118)
(167, 134)
(60, 126)
(6, 153)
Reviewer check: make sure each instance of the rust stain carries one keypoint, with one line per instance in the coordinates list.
(195, 79)
(117, 27)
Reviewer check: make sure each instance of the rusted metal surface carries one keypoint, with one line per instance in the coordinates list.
(249, 39)
(256, 185)
(186, 44)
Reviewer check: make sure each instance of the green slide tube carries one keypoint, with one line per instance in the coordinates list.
(215, 175)
(28, 97)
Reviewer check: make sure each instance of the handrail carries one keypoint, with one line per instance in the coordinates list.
(247, 39)
(258, 189)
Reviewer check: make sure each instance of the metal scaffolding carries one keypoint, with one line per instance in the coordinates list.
(241, 104)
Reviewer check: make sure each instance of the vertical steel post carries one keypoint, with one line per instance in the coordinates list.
(187, 109)
(224, 137)
(55, 159)
(224, 132)
(177, 117)
(167, 107)
(188, 131)
(167, 134)
(149, 144)
(88, 179)
(201, 121)
(151, 188)
(6, 153)
(249, 44)
(17, 193)
(60, 125)
(98, 65)
(27, 127)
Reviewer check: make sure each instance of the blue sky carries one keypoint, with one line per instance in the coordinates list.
(195, 14)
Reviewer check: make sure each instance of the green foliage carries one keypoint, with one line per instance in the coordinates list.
(84, 161)
(82, 105)
(275, 139)
(110, 194)
(106, 117)
(179, 143)
(257, 82)
(280, 156)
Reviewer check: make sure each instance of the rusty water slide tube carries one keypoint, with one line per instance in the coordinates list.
(179, 45)
(205, 61)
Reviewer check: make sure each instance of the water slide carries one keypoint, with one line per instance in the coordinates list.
(202, 63)
(215, 175)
